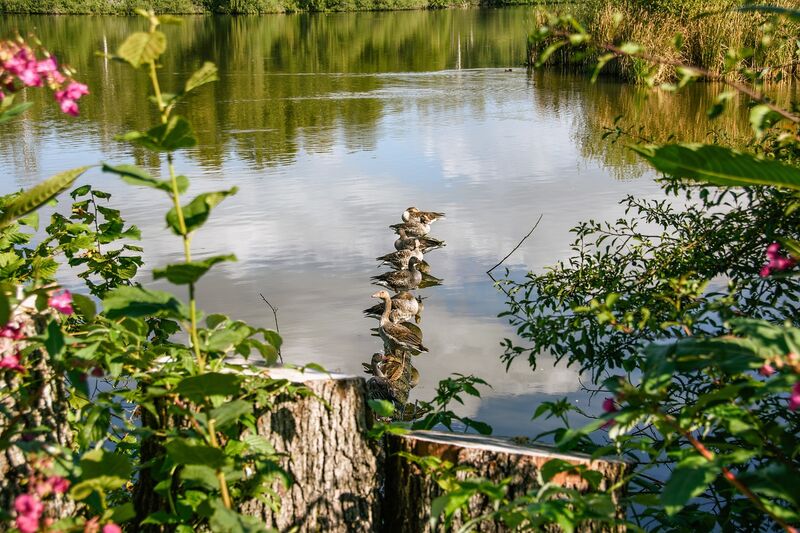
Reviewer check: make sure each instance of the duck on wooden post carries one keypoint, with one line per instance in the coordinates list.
(412, 228)
(405, 306)
(396, 335)
(426, 244)
(406, 279)
(399, 259)
(426, 217)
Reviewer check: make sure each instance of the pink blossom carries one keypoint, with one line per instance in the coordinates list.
(75, 90)
(772, 250)
(111, 528)
(794, 398)
(30, 77)
(12, 331)
(2, 96)
(59, 484)
(609, 405)
(767, 370)
(25, 504)
(47, 66)
(70, 107)
(27, 524)
(11, 362)
(62, 301)
(765, 271)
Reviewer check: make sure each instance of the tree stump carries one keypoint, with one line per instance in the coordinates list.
(335, 468)
(409, 492)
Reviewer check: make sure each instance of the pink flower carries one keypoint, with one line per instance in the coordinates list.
(11, 362)
(30, 77)
(28, 505)
(609, 405)
(75, 90)
(767, 370)
(47, 66)
(2, 96)
(772, 250)
(794, 398)
(70, 107)
(61, 301)
(765, 271)
(59, 484)
(111, 528)
(12, 331)
(27, 524)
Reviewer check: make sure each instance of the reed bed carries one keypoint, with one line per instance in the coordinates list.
(709, 31)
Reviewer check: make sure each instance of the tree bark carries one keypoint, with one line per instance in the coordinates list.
(335, 468)
(409, 492)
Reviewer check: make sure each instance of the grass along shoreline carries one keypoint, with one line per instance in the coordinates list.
(233, 7)
(709, 30)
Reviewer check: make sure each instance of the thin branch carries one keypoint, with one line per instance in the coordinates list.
(489, 272)
(274, 314)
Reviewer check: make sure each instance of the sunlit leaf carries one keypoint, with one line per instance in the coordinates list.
(197, 211)
(205, 74)
(142, 48)
(39, 195)
(185, 273)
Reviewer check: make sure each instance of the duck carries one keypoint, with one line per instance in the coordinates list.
(399, 259)
(397, 280)
(412, 228)
(426, 217)
(426, 244)
(405, 306)
(397, 335)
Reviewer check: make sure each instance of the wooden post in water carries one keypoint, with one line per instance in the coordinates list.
(336, 469)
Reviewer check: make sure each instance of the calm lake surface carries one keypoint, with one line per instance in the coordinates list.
(331, 125)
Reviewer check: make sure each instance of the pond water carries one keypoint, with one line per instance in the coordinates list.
(331, 125)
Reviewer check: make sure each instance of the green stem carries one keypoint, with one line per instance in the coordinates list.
(164, 110)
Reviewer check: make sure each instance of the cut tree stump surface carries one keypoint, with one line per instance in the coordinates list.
(410, 492)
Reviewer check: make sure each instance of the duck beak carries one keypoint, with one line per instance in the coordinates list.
(376, 295)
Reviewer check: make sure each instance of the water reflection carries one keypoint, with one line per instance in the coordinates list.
(392, 369)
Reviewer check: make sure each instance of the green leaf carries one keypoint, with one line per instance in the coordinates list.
(85, 306)
(39, 195)
(101, 470)
(54, 341)
(383, 408)
(142, 48)
(185, 273)
(761, 118)
(719, 166)
(137, 302)
(229, 412)
(793, 14)
(198, 388)
(197, 211)
(686, 482)
(230, 521)
(205, 74)
(175, 134)
(187, 452)
(200, 474)
(138, 176)
(258, 444)
(14, 111)
(5, 308)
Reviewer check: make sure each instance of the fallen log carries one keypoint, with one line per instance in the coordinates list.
(409, 492)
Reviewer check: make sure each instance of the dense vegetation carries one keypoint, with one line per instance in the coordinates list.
(711, 33)
(235, 7)
(682, 315)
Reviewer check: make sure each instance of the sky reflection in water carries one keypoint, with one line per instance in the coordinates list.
(325, 160)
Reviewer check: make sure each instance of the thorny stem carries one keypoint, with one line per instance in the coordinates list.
(164, 110)
(729, 476)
